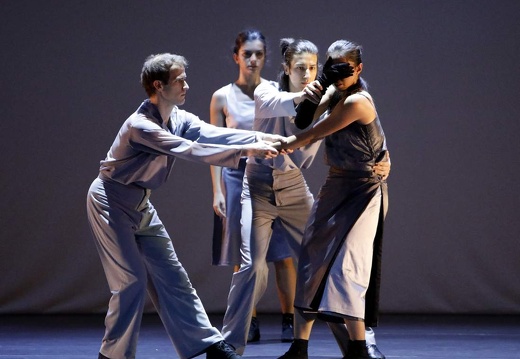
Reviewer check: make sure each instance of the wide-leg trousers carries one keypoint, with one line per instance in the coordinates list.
(272, 195)
(228, 246)
(138, 257)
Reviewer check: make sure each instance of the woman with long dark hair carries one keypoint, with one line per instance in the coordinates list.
(233, 106)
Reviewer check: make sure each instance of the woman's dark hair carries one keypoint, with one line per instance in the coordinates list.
(157, 67)
(291, 47)
(248, 35)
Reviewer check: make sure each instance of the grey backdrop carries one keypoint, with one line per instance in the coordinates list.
(445, 76)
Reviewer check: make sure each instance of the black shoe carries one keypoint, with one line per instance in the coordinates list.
(373, 352)
(221, 350)
(254, 331)
(357, 349)
(295, 352)
(287, 328)
(101, 356)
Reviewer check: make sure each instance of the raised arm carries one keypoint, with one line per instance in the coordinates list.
(270, 102)
(306, 111)
(353, 108)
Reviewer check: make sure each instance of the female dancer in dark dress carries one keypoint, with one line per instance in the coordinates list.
(339, 264)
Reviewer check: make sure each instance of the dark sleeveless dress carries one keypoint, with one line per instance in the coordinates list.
(345, 195)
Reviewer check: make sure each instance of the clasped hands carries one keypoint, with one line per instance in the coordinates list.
(268, 146)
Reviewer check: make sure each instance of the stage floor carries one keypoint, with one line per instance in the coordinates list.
(407, 336)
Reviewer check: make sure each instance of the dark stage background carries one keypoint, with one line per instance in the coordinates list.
(445, 76)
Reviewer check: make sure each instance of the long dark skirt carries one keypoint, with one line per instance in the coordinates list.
(342, 199)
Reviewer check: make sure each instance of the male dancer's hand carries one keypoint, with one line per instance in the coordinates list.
(382, 166)
(277, 141)
(260, 149)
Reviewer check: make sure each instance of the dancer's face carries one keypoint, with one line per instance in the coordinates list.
(345, 83)
(302, 70)
(251, 57)
(175, 90)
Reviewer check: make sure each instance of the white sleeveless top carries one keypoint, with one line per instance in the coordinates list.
(240, 113)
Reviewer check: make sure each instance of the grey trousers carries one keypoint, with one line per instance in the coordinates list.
(274, 195)
(138, 257)
(228, 247)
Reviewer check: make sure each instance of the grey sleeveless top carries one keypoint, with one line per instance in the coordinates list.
(357, 146)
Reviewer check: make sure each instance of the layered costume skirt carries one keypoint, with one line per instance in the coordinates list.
(339, 269)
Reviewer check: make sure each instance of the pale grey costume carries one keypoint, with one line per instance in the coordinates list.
(228, 246)
(340, 260)
(136, 251)
(277, 191)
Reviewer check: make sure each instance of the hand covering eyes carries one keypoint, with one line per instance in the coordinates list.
(330, 74)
